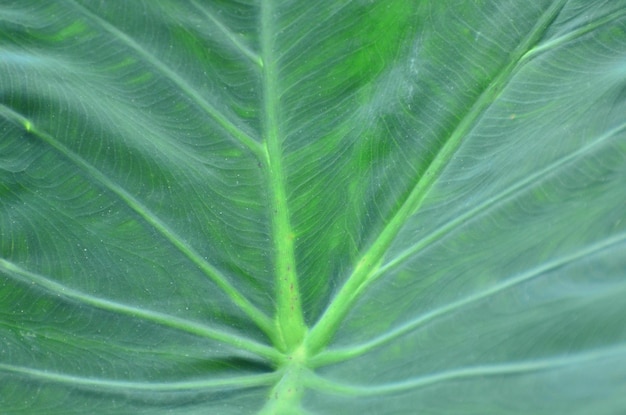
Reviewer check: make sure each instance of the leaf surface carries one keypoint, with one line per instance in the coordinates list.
(312, 207)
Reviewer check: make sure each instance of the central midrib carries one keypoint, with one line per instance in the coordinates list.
(289, 318)
(285, 395)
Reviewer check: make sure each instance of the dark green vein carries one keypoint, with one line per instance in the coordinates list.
(238, 134)
(370, 261)
(289, 318)
(232, 37)
(482, 371)
(261, 320)
(239, 382)
(336, 355)
(134, 312)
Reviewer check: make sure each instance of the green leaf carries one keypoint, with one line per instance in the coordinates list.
(312, 207)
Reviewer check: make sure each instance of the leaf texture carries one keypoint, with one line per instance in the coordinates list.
(312, 207)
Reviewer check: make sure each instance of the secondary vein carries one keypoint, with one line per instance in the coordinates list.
(350, 352)
(370, 261)
(233, 37)
(262, 321)
(237, 133)
(479, 371)
(238, 382)
(136, 312)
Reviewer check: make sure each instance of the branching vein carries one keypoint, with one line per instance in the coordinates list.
(234, 39)
(351, 352)
(262, 321)
(238, 134)
(136, 312)
(370, 261)
(113, 385)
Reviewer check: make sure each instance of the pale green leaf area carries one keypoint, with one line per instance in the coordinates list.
(313, 207)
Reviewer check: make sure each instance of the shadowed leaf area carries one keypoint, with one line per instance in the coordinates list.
(313, 207)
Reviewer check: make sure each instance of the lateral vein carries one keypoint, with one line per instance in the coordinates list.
(262, 321)
(337, 355)
(238, 134)
(468, 372)
(370, 261)
(138, 386)
(135, 312)
(489, 203)
(232, 37)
